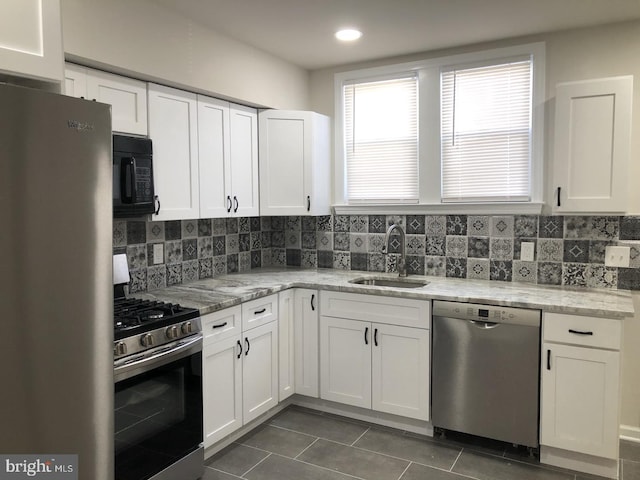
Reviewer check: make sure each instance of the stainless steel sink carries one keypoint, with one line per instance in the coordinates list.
(390, 282)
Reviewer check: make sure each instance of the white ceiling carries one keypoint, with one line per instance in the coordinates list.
(301, 31)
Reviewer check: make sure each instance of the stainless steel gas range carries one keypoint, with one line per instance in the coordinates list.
(158, 391)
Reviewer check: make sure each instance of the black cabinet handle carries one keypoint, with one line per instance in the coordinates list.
(578, 332)
(246, 352)
(157, 200)
(239, 346)
(375, 337)
(366, 334)
(313, 307)
(548, 359)
(221, 325)
(559, 189)
(236, 204)
(258, 312)
(308, 203)
(228, 204)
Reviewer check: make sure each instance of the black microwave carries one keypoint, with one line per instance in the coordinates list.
(133, 193)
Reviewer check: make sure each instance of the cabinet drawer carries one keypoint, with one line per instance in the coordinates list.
(580, 330)
(259, 311)
(373, 308)
(220, 325)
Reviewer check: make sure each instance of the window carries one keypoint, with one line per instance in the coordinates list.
(462, 130)
(381, 140)
(486, 132)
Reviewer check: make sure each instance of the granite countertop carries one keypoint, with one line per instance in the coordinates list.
(225, 291)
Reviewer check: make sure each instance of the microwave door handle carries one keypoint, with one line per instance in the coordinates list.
(127, 179)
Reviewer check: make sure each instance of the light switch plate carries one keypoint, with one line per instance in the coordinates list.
(527, 251)
(158, 253)
(617, 256)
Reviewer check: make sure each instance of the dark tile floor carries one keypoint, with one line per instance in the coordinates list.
(302, 444)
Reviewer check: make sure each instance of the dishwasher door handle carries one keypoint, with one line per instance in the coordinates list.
(484, 325)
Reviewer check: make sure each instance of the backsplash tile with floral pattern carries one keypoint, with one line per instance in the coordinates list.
(569, 250)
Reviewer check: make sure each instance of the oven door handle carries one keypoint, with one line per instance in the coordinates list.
(163, 357)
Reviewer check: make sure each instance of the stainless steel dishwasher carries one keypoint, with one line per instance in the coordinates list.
(486, 370)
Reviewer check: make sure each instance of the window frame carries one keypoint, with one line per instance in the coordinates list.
(429, 159)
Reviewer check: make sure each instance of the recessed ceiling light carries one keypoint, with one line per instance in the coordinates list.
(348, 35)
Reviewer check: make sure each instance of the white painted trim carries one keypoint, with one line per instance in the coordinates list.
(497, 208)
(630, 433)
(604, 467)
(429, 114)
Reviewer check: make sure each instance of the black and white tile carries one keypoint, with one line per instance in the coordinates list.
(524, 271)
(478, 247)
(456, 225)
(435, 266)
(502, 226)
(456, 246)
(436, 226)
(501, 270)
(478, 226)
(478, 268)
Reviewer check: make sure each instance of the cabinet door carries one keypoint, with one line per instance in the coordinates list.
(31, 39)
(222, 324)
(173, 129)
(75, 81)
(284, 155)
(345, 361)
(306, 342)
(222, 389)
(244, 161)
(286, 345)
(400, 373)
(579, 402)
(213, 157)
(260, 370)
(127, 97)
(592, 145)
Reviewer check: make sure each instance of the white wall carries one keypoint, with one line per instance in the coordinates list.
(570, 55)
(148, 41)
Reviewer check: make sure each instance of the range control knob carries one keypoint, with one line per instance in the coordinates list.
(120, 348)
(172, 332)
(146, 340)
(187, 327)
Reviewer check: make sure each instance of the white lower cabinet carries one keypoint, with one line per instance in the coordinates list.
(240, 372)
(306, 341)
(580, 393)
(381, 366)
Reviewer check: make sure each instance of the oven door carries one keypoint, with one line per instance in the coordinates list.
(158, 410)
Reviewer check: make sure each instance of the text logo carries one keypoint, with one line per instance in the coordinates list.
(49, 467)
(80, 126)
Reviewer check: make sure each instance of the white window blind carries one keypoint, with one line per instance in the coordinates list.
(381, 140)
(486, 132)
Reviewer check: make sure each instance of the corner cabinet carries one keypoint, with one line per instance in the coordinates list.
(173, 128)
(365, 363)
(592, 145)
(294, 163)
(127, 97)
(580, 393)
(228, 157)
(31, 40)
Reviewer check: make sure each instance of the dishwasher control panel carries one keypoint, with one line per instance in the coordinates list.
(486, 313)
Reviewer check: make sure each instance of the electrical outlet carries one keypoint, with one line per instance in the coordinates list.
(617, 256)
(158, 253)
(527, 251)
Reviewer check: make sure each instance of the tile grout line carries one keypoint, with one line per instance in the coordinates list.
(307, 448)
(327, 469)
(245, 473)
(405, 470)
(456, 460)
(221, 471)
(363, 434)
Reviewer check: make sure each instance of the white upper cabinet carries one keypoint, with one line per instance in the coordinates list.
(294, 163)
(228, 156)
(592, 145)
(173, 129)
(127, 97)
(31, 40)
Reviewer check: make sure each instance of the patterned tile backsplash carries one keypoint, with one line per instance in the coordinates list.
(568, 250)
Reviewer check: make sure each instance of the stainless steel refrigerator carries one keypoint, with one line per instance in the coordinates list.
(56, 330)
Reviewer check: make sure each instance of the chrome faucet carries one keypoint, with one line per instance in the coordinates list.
(402, 263)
